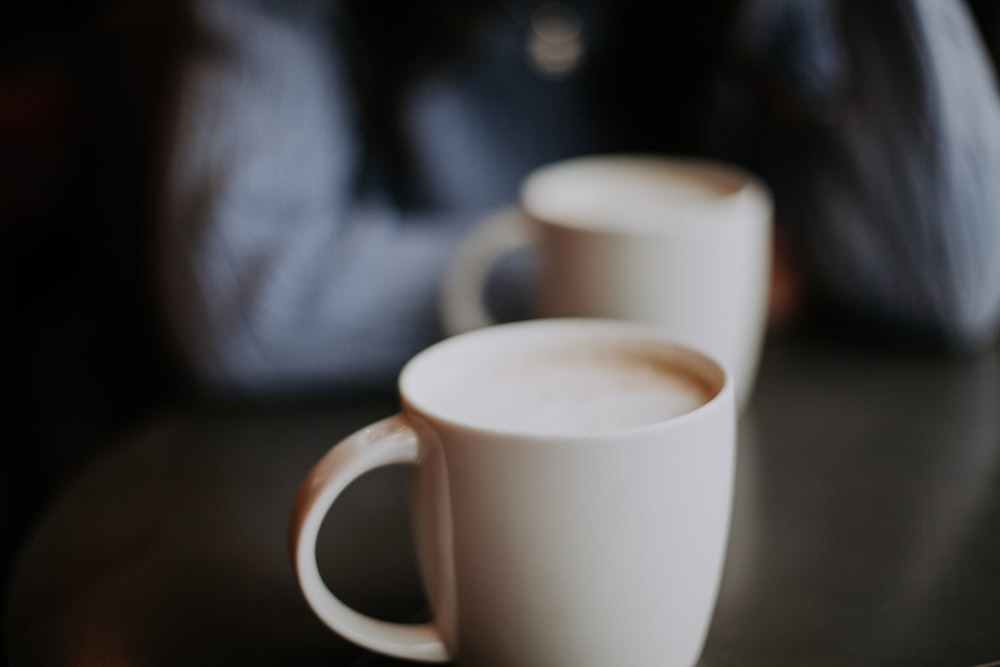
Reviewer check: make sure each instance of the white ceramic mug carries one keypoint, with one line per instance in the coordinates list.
(677, 243)
(572, 488)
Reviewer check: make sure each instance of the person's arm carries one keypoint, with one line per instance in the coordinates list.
(277, 276)
(890, 186)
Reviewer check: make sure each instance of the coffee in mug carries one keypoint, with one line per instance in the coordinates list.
(678, 243)
(566, 391)
(571, 494)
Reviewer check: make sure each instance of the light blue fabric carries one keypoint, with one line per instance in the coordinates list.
(281, 274)
(896, 198)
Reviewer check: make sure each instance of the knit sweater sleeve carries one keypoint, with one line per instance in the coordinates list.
(892, 193)
(277, 275)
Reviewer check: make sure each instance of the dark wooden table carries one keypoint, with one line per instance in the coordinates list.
(866, 529)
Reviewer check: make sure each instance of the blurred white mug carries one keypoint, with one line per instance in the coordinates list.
(681, 244)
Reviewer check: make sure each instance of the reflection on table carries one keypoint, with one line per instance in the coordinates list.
(866, 529)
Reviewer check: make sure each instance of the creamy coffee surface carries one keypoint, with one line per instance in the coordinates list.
(636, 194)
(572, 392)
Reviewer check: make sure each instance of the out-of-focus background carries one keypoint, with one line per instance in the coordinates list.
(82, 84)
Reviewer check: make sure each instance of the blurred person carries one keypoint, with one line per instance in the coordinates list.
(326, 156)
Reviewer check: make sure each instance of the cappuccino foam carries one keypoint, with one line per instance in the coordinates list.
(573, 392)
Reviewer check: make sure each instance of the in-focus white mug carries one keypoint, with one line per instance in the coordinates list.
(571, 495)
(678, 243)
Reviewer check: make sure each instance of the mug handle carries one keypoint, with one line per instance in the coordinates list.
(463, 306)
(387, 442)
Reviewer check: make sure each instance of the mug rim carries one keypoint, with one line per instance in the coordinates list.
(597, 329)
(748, 194)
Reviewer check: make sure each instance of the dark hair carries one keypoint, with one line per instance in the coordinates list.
(654, 75)
(391, 44)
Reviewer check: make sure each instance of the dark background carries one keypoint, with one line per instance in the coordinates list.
(82, 90)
